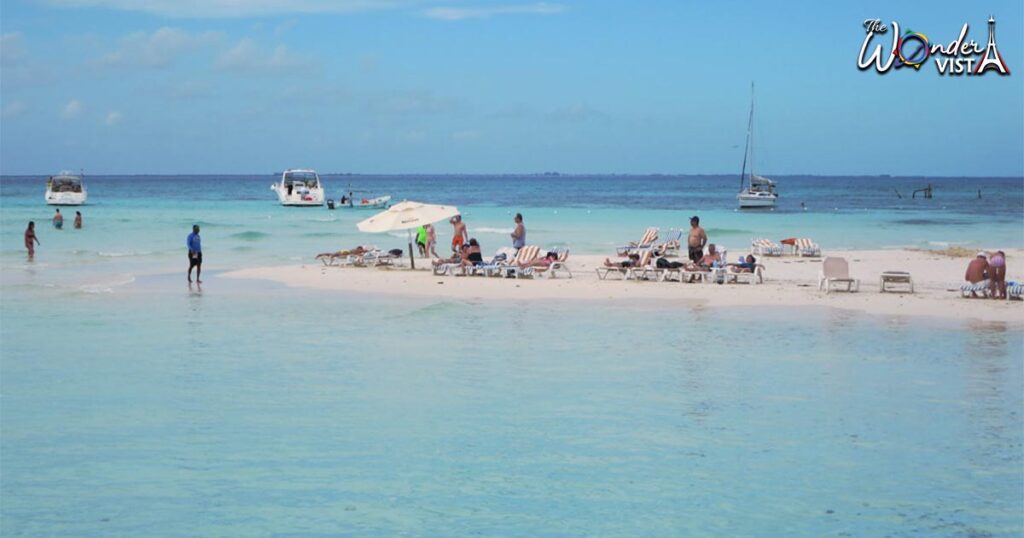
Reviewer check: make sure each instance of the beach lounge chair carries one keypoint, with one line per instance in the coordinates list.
(644, 267)
(1014, 290)
(511, 267)
(835, 270)
(803, 247)
(754, 277)
(670, 248)
(559, 264)
(765, 247)
(603, 272)
(970, 291)
(647, 241)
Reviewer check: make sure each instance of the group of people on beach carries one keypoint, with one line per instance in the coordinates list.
(466, 250)
(989, 270)
(31, 239)
(696, 241)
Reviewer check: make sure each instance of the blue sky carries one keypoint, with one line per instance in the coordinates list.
(461, 86)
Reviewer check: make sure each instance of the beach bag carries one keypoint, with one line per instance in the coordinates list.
(396, 252)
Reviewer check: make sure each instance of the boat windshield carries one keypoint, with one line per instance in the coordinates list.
(298, 178)
(65, 184)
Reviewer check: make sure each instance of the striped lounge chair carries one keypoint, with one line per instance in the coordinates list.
(968, 290)
(806, 247)
(1014, 290)
(511, 267)
(765, 247)
(645, 242)
(625, 272)
(671, 247)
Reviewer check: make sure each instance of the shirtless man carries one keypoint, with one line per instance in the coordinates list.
(31, 240)
(460, 236)
(78, 220)
(977, 271)
(708, 260)
(58, 220)
(696, 240)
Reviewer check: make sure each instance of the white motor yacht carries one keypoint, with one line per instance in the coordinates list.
(299, 187)
(65, 188)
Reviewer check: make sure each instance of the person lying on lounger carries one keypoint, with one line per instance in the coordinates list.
(546, 261)
(633, 260)
(747, 265)
(331, 256)
(472, 255)
(455, 258)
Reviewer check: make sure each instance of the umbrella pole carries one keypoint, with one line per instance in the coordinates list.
(412, 258)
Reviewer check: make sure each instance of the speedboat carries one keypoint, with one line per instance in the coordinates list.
(755, 191)
(380, 202)
(299, 187)
(65, 188)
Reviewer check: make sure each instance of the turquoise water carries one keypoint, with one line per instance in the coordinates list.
(131, 405)
(155, 411)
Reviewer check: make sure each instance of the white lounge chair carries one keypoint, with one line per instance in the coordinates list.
(671, 247)
(1014, 291)
(765, 247)
(525, 255)
(754, 277)
(835, 270)
(969, 290)
(560, 263)
(645, 266)
(647, 241)
(623, 272)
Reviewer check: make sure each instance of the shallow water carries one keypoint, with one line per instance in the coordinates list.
(249, 409)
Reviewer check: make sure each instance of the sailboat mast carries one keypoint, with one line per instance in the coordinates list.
(750, 128)
(748, 147)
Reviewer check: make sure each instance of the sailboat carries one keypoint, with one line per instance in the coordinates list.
(755, 191)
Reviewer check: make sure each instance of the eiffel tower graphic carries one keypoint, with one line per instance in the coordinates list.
(991, 59)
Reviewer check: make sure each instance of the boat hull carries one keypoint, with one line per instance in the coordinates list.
(375, 203)
(313, 198)
(748, 201)
(65, 198)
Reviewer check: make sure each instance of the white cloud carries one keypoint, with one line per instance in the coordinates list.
(284, 26)
(71, 110)
(158, 49)
(246, 56)
(238, 8)
(113, 118)
(461, 13)
(12, 47)
(13, 109)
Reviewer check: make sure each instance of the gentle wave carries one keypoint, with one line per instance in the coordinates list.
(106, 287)
(488, 230)
(727, 231)
(250, 235)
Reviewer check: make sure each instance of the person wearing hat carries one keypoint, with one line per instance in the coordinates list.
(977, 271)
(696, 240)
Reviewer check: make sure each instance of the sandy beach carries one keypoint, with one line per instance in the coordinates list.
(788, 282)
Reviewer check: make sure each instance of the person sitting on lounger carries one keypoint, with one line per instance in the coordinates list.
(331, 256)
(977, 271)
(746, 265)
(633, 261)
(707, 261)
(472, 255)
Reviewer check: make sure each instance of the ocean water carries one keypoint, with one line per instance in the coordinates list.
(132, 405)
(138, 224)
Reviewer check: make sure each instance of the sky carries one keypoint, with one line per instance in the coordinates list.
(504, 86)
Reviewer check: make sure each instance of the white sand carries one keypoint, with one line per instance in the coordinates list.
(788, 281)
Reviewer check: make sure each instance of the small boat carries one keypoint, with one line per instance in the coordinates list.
(299, 187)
(755, 191)
(380, 202)
(65, 188)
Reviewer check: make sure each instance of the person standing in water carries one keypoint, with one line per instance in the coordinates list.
(519, 234)
(195, 253)
(30, 239)
(58, 220)
(78, 220)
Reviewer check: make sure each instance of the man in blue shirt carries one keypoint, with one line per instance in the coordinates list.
(195, 253)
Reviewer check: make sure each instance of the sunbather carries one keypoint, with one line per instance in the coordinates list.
(977, 271)
(472, 255)
(747, 265)
(455, 258)
(546, 261)
(331, 256)
(633, 260)
(707, 261)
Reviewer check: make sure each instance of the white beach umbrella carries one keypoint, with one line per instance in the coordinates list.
(407, 215)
